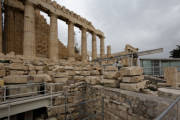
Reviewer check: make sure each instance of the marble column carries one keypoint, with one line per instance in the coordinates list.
(0, 28)
(84, 45)
(53, 39)
(102, 47)
(109, 51)
(71, 47)
(29, 49)
(94, 46)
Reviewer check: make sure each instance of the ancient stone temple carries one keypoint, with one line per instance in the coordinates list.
(40, 39)
(42, 79)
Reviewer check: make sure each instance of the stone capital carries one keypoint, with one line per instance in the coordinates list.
(83, 28)
(101, 37)
(27, 2)
(52, 15)
(93, 34)
(70, 22)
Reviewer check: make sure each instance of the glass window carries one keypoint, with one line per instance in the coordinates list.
(156, 67)
(175, 63)
(147, 65)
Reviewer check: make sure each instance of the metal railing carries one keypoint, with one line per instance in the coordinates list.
(172, 112)
(50, 91)
(12, 92)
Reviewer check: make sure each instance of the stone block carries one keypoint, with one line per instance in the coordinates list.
(15, 72)
(111, 68)
(39, 68)
(71, 73)
(79, 78)
(32, 72)
(15, 66)
(168, 93)
(77, 72)
(16, 91)
(95, 72)
(171, 76)
(40, 72)
(41, 78)
(16, 79)
(61, 75)
(85, 73)
(2, 73)
(55, 111)
(55, 87)
(136, 87)
(110, 83)
(93, 79)
(59, 100)
(20, 79)
(131, 71)
(133, 79)
(77, 68)
(60, 80)
(125, 61)
(2, 66)
(110, 75)
(68, 68)
(1, 83)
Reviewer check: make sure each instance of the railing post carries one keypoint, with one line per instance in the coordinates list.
(45, 88)
(4, 93)
(177, 111)
(102, 107)
(9, 111)
(66, 101)
(51, 92)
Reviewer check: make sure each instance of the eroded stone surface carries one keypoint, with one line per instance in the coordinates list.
(130, 71)
(133, 86)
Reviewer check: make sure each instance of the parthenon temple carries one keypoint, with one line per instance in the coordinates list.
(42, 78)
(28, 34)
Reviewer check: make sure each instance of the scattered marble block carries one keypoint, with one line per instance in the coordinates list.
(136, 87)
(131, 71)
(134, 79)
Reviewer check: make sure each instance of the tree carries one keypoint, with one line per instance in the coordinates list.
(175, 53)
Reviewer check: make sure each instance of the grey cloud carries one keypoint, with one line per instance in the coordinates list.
(145, 24)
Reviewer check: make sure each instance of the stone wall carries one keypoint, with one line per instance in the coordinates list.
(42, 35)
(126, 105)
(16, 70)
(119, 104)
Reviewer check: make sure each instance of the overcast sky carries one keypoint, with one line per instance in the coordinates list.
(145, 24)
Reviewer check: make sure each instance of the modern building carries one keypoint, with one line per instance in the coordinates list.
(155, 67)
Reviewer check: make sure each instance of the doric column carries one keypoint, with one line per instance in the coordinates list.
(109, 51)
(102, 47)
(53, 39)
(29, 49)
(0, 28)
(84, 45)
(71, 52)
(94, 46)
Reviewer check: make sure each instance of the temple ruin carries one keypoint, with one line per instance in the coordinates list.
(42, 79)
(40, 39)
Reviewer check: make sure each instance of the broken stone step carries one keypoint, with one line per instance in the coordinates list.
(136, 87)
(110, 83)
(131, 71)
(134, 79)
